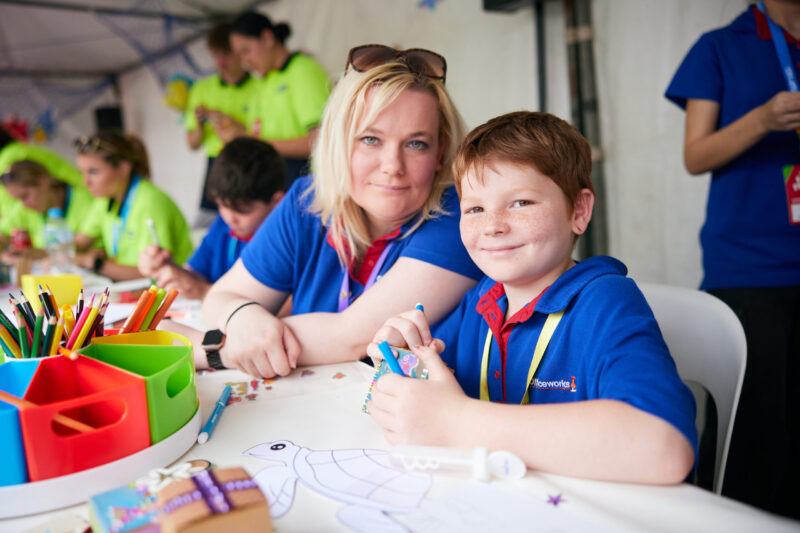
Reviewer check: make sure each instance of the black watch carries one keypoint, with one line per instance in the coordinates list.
(99, 261)
(212, 343)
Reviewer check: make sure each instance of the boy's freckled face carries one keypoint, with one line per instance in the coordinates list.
(516, 224)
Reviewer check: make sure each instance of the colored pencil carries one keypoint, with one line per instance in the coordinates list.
(78, 327)
(52, 298)
(48, 336)
(37, 333)
(126, 327)
(171, 295)
(55, 344)
(84, 330)
(148, 319)
(96, 329)
(23, 337)
(79, 309)
(146, 309)
(47, 304)
(12, 344)
(29, 319)
(27, 305)
(64, 420)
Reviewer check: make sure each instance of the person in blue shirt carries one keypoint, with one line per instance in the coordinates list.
(372, 231)
(575, 340)
(247, 181)
(741, 122)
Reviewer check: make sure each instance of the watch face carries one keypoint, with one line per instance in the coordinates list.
(212, 338)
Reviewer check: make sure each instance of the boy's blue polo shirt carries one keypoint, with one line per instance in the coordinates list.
(290, 252)
(747, 238)
(606, 346)
(218, 251)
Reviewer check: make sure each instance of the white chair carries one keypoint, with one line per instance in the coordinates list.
(707, 342)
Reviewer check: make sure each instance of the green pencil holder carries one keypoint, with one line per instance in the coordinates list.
(168, 373)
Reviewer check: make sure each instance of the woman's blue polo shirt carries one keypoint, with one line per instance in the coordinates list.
(290, 252)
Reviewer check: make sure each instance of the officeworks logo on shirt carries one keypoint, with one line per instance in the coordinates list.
(554, 384)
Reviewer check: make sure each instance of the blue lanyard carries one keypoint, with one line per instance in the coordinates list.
(344, 290)
(783, 51)
(232, 251)
(116, 231)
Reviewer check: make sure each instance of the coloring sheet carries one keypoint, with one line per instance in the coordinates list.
(364, 480)
(479, 507)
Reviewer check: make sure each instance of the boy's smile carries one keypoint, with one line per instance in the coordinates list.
(518, 227)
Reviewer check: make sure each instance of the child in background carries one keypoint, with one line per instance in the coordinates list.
(39, 191)
(607, 402)
(115, 169)
(246, 180)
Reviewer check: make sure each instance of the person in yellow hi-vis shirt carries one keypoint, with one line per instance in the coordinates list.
(12, 151)
(227, 92)
(115, 168)
(291, 95)
(38, 192)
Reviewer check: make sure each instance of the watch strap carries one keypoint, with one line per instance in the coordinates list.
(214, 361)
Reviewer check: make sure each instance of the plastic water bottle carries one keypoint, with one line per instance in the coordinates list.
(59, 241)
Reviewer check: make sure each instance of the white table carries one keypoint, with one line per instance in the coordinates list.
(320, 408)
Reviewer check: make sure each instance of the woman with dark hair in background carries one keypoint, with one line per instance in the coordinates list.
(291, 95)
(115, 167)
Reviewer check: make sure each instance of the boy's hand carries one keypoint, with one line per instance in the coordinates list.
(259, 344)
(151, 259)
(418, 411)
(189, 283)
(407, 329)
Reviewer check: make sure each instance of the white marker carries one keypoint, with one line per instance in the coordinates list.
(153, 234)
(477, 461)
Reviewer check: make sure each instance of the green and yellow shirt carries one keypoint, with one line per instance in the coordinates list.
(123, 227)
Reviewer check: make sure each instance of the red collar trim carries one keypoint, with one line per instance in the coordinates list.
(490, 310)
(762, 27)
(376, 247)
(239, 237)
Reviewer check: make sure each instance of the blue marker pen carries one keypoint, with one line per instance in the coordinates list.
(419, 307)
(390, 359)
(204, 435)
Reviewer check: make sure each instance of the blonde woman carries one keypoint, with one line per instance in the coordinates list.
(372, 232)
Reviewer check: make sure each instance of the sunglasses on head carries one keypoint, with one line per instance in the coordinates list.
(418, 60)
(86, 144)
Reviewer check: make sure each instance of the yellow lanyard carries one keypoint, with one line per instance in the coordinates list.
(541, 345)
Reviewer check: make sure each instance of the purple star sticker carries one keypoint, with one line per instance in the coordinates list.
(555, 500)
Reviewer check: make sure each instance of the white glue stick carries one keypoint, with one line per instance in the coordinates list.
(476, 461)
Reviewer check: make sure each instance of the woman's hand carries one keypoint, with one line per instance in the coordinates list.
(259, 344)
(152, 259)
(419, 411)
(189, 283)
(782, 112)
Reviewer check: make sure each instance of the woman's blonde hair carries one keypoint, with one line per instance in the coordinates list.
(346, 109)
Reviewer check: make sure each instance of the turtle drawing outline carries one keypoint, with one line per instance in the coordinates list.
(363, 479)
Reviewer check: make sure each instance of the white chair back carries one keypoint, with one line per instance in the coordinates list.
(707, 342)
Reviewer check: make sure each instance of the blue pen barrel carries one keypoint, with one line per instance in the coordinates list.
(389, 357)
